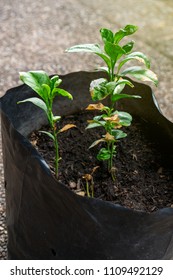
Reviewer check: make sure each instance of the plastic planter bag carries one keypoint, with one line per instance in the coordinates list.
(45, 220)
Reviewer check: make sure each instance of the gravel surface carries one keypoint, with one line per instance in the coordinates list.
(34, 35)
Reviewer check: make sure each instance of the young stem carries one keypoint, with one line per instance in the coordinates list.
(54, 130)
(56, 152)
(112, 71)
(87, 188)
(110, 160)
(92, 190)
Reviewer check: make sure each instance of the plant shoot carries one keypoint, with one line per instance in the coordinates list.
(115, 55)
(47, 89)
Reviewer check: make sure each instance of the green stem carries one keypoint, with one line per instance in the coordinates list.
(54, 130)
(112, 76)
(56, 153)
(92, 189)
(87, 188)
(110, 161)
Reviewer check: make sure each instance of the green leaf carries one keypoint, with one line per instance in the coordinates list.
(55, 82)
(105, 58)
(141, 74)
(99, 93)
(125, 118)
(46, 92)
(94, 48)
(118, 134)
(110, 86)
(120, 86)
(107, 35)
(114, 51)
(36, 101)
(35, 80)
(97, 118)
(116, 87)
(138, 56)
(128, 30)
(119, 96)
(104, 154)
(64, 93)
(48, 134)
(128, 47)
(95, 124)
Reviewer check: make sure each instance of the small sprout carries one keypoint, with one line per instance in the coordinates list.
(115, 55)
(47, 89)
(113, 172)
(90, 182)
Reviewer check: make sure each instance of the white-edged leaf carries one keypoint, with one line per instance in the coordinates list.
(97, 83)
(102, 68)
(55, 81)
(141, 74)
(137, 56)
(56, 118)
(94, 48)
(120, 86)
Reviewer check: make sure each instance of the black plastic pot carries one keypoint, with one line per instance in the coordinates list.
(45, 220)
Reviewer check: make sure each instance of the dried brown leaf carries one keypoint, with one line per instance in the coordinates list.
(66, 127)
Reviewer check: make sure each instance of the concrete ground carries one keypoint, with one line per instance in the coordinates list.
(35, 34)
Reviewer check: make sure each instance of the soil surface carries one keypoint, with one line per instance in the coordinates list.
(143, 181)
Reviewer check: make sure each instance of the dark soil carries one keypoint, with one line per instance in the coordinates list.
(143, 181)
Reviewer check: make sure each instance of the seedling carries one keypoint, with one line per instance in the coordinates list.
(115, 55)
(47, 89)
(111, 121)
(90, 182)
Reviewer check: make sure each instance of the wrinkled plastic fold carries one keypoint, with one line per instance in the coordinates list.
(45, 220)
